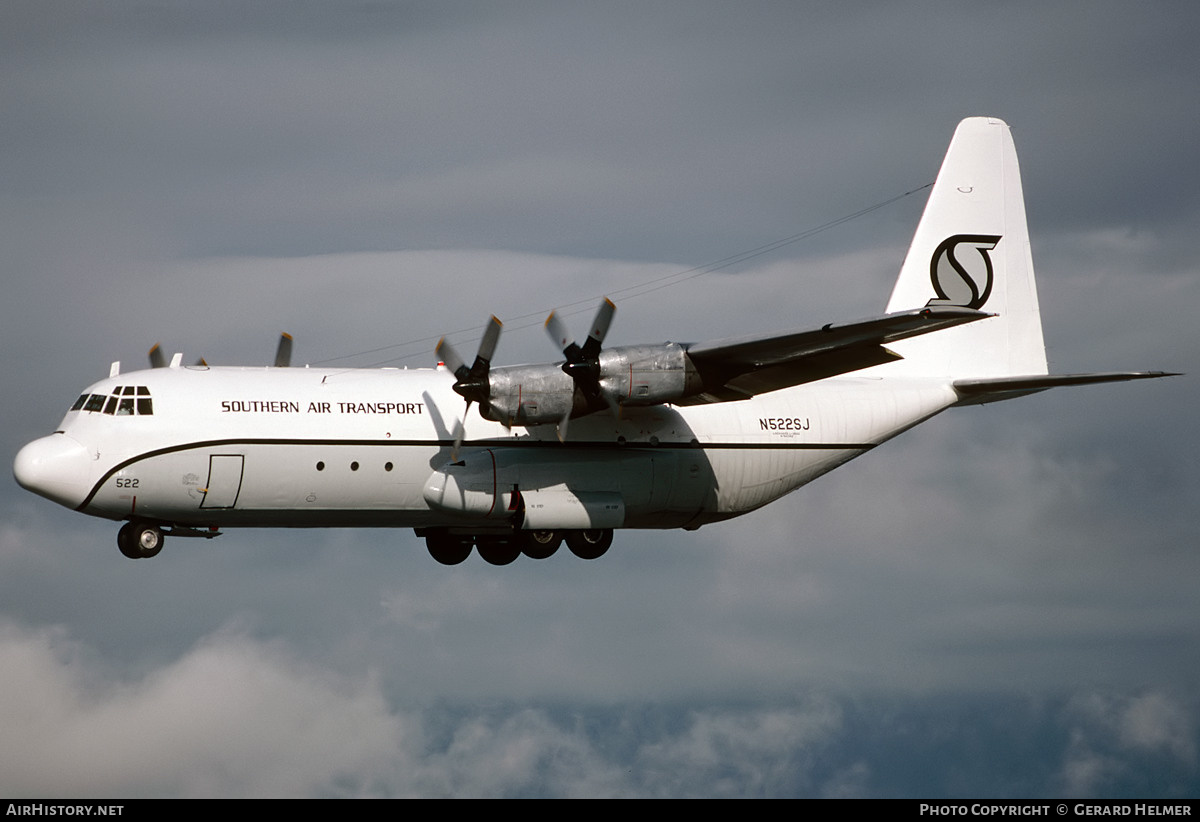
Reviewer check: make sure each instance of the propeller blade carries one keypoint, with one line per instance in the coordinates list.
(283, 354)
(449, 356)
(157, 358)
(613, 405)
(604, 317)
(460, 431)
(487, 345)
(590, 350)
(558, 332)
(561, 428)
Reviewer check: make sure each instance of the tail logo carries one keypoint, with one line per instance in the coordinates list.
(959, 275)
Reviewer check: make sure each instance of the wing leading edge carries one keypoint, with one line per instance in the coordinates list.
(741, 367)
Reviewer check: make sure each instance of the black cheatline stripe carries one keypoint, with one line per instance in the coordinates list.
(587, 446)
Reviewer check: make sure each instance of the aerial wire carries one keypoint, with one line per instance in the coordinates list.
(628, 292)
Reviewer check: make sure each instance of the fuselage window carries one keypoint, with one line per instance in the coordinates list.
(95, 403)
(79, 402)
(125, 408)
(111, 406)
(144, 406)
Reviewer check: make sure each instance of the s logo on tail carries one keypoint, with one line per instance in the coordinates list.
(959, 276)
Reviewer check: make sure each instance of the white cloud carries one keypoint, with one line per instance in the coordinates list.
(236, 716)
(1122, 737)
(742, 752)
(232, 717)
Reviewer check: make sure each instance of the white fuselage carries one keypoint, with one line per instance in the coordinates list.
(306, 447)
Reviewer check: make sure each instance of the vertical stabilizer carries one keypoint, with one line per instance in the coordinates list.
(972, 249)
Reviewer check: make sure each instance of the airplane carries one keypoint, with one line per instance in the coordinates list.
(661, 436)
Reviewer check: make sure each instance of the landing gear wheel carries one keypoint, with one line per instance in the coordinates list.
(140, 540)
(448, 549)
(497, 550)
(540, 544)
(589, 544)
(125, 541)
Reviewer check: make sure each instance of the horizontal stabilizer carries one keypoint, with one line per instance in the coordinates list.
(978, 392)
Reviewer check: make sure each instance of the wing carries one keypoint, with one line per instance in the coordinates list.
(740, 367)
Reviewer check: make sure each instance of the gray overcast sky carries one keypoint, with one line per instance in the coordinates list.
(1001, 603)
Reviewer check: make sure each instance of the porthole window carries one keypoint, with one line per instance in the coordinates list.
(387, 466)
(320, 466)
(354, 466)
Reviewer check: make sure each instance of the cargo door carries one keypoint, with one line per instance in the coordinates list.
(224, 481)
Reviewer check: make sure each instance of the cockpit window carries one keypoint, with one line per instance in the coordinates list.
(125, 401)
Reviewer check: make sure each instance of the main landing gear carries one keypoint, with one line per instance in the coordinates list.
(502, 549)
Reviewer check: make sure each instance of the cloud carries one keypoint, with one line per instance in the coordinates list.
(236, 716)
(746, 752)
(231, 717)
(239, 716)
(1119, 738)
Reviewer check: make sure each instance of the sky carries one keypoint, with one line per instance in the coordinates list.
(1001, 602)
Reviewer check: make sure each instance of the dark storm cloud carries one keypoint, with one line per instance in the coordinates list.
(306, 129)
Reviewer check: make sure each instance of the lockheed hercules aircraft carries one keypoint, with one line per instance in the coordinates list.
(647, 436)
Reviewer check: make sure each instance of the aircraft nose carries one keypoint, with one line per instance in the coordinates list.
(57, 467)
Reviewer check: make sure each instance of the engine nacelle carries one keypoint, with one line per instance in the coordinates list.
(631, 375)
(648, 374)
(472, 487)
(543, 491)
(532, 395)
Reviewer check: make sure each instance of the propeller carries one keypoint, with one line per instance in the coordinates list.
(471, 383)
(283, 354)
(583, 361)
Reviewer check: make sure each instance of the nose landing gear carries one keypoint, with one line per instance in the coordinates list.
(140, 540)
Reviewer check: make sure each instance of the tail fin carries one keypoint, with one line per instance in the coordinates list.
(972, 249)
